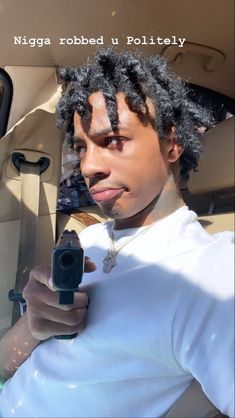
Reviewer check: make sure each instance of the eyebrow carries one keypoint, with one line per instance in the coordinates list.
(101, 132)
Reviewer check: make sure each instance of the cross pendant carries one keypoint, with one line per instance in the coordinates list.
(109, 261)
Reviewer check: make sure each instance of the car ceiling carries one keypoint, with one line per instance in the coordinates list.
(207, 25)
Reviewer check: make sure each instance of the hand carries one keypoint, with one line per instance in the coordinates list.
(46, 318)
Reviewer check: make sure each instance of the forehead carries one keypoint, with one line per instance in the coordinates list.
(99, 116)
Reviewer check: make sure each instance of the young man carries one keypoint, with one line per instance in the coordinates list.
(160, 287)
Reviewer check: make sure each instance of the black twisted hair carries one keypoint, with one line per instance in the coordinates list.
(137, 77)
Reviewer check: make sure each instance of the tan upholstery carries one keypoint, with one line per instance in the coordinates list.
(215, 176)
(35, 136)
(218, 223)
(216, 169)
(79, 220)
(194, 404)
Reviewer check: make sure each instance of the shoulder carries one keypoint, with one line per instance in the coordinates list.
(215, 251)
(199, 241)
(208, 258)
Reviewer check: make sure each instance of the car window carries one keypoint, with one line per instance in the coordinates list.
(6, 91)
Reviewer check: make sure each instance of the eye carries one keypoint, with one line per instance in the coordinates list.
(80, 149)
(115, 142)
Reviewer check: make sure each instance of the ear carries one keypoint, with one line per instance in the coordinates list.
(173, 148)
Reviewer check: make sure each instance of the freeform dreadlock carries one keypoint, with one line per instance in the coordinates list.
(137, 77)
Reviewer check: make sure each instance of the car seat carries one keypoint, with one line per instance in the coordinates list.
(210, 190)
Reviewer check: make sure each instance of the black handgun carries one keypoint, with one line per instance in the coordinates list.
(67, 269)
(67, 266)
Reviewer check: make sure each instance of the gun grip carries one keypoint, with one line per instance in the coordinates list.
(66, 297)
(66, 337)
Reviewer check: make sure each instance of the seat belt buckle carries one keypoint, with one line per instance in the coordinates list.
(15, 296)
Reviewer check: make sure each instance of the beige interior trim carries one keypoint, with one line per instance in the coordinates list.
(29, 205)
(78, 221)
(194, 404)
(34, 135)
(9, 239)
(111, 19)
(218, 223)
(41, 85)
(216, 168)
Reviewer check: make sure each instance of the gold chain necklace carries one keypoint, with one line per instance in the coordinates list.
(110, 259)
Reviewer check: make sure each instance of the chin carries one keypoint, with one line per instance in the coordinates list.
(114, 211)
(119, 209)
(109, 211)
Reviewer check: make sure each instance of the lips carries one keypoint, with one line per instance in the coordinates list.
(106, 194)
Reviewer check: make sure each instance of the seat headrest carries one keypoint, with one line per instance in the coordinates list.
(216, 168)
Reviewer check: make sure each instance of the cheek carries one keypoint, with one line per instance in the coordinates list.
(149, 175)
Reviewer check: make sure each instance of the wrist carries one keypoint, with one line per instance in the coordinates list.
(16, 346)
(30, 339)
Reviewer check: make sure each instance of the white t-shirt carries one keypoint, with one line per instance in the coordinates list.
(162, 315)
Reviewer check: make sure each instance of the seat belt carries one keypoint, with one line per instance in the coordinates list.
(193, 404)
(29, 211)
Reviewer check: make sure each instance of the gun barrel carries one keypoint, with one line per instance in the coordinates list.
(67, 259)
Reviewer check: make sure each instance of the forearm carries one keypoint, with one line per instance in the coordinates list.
(15, 347)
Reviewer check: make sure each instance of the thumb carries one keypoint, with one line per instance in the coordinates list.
(89, 265)
(51, 285)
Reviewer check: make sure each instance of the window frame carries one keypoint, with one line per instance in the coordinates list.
(6, 100)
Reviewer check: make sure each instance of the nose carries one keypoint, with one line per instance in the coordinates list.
(94, 163)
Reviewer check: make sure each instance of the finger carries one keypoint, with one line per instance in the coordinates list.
(41, 274)
(36, 293)
(51, 285)
(43, 329)
(71, 318)
(81, 301)
(89, 265)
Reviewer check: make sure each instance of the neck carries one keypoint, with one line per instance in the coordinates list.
(167, 202)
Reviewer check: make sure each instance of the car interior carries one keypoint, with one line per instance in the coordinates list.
(41, 199)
